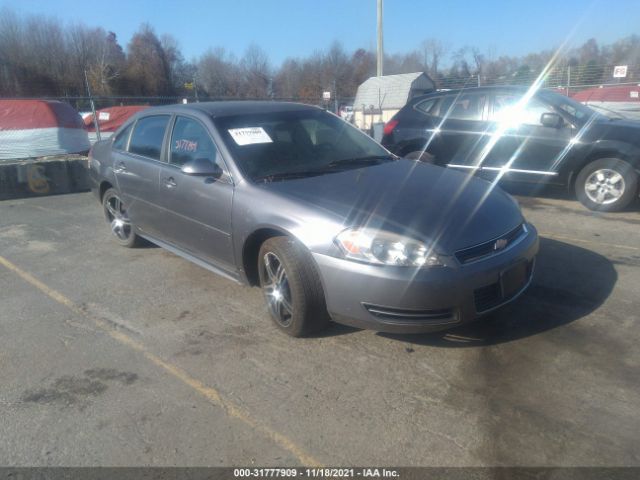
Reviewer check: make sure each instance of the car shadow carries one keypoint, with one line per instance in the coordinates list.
(538, 190)
(144, 243)
(529, 192)
(569, 283)
(334, 330)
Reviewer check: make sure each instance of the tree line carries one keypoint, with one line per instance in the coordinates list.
(41, 57)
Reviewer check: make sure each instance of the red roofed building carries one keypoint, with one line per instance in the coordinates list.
(622, 99)
(110, 119)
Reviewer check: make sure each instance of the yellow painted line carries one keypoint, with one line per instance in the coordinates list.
(210, 393)
(588, 242)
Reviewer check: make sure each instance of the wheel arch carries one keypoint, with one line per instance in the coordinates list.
(104, 186)
(251, 248)
(629, 154)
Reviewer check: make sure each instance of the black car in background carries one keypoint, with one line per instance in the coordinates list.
(507, 133)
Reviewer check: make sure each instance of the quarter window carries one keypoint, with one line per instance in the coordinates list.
(426, 106)
(190, 141)
(120, 142)
(148, 135)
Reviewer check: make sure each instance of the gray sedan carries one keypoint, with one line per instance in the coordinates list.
(327, 222)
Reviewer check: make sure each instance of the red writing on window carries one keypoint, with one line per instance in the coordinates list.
(186, 146)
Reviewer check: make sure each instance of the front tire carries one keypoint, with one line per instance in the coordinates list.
(291, 287)
(607, 185)
(115, 213)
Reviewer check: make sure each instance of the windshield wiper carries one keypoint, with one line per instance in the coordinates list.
(328, 168)
(288, 175)
(368, 160)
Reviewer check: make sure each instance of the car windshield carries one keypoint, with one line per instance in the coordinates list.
(293, 144)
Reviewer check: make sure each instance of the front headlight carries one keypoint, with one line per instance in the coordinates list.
(385, 248)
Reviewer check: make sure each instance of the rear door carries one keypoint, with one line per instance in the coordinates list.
(462, 130)
(197, 209)
(136, 164)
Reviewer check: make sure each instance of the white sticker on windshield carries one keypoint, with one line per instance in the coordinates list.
(250, 135)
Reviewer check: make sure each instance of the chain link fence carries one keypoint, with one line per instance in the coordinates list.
(567, 78)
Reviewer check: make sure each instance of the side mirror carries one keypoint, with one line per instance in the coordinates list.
(552, 120)
(202, 167)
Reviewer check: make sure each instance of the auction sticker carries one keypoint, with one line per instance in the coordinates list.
(250, 135)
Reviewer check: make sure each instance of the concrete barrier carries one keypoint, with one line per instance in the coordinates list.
(43, 176)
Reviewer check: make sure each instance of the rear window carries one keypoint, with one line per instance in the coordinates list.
(463, 107)
(148, 136)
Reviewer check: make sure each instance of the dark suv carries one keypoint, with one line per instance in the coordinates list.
(506, 133)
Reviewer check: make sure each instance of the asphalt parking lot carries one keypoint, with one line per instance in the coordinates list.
(118, 357)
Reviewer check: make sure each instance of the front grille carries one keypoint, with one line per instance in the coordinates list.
(399, 315)
(486, 249)
(491, 296)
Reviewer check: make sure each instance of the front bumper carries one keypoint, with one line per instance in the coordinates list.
(405, 300)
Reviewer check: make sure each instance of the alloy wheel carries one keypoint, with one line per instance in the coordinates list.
(604, 186)
(117, 217)
(276, 289)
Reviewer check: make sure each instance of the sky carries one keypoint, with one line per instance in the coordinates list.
(295, 28)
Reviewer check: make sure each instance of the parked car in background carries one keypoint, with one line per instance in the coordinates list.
(500, 133)
(327, 222)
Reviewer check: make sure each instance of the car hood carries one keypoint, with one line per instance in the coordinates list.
(620, 122)
(427, 202)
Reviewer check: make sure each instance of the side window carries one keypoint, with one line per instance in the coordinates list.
(120, 142)
(505, 109)
(189, 141)
(148, 135)
(426, 106)
(465, 107)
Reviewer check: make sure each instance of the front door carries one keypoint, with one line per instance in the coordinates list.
(525, 150)
(197, 209)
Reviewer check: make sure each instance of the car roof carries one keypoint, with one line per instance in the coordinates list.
(232, 107)
(499, 88)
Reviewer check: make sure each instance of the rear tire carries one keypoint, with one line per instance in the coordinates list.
(607, 185)
(291, 287)
(115, 213)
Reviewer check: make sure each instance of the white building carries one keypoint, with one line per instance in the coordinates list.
(379, 98)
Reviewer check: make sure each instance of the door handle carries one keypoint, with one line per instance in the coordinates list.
(169, 182)
(120, 167)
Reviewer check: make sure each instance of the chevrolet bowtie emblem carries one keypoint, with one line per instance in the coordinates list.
(500, 244)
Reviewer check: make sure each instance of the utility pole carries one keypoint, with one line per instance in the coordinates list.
(379, 71)
(93, 106)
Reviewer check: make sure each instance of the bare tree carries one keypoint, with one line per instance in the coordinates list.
(433, 52)
(287, 80)
(180, 71)
(256, 72)
(218, 73)
(147, 71)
